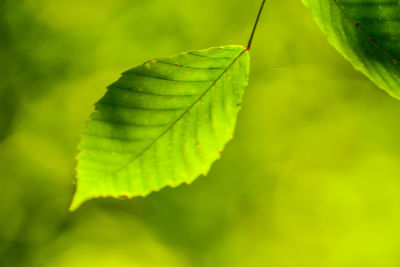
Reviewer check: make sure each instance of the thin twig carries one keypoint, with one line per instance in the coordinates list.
(250, 43)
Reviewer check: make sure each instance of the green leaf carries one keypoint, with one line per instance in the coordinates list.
(161, 124)
(367, 33)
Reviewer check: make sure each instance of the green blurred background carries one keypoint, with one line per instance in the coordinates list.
(312, 177)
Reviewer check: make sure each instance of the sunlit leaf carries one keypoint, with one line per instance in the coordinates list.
(162, 123)
(367, 33)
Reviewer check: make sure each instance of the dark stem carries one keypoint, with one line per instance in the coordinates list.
(250, 43)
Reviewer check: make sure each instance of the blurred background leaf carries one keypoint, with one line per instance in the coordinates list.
(311, 178)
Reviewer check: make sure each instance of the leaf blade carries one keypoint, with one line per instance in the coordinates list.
(365, 33)
(162, 123)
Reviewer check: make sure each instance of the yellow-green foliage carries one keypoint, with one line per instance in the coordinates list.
(162, 123)
(311, 179)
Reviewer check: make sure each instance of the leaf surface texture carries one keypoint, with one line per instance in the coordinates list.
(162, 123)
(367, 33)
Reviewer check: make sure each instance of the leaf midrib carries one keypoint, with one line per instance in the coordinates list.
(182, 115)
